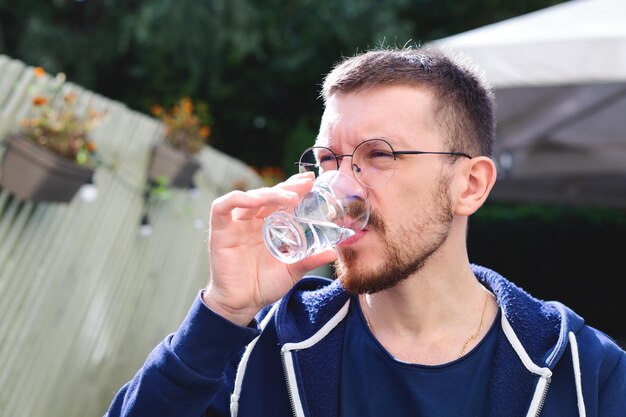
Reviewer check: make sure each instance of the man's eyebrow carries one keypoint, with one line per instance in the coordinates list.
(322, 142)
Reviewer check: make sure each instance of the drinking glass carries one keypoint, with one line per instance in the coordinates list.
(334, 210)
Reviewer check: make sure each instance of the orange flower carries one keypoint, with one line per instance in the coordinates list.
(40, 72)
(156, 110)
(205, 132)
(271, 175)
(187, 124)
(272, 171)
(40, 101)
(186, 104)
(58, 124)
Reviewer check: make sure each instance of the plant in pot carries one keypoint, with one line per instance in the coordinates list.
(51, 155)
(173, 162)
(187, 129)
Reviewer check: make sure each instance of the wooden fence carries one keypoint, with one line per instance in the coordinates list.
(84, 297)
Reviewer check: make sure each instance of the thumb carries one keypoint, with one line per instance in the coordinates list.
(314, 261)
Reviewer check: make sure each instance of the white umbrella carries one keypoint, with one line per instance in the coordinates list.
(560, 80)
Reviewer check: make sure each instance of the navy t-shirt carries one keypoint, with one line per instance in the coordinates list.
(375, 384)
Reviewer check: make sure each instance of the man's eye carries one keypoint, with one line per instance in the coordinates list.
(374, 154)
(325, 158)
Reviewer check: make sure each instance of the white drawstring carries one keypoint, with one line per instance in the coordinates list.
(521, 352)
(321, 333)
(241, 368)
(544, 373)
(288, 348)
(577, 376)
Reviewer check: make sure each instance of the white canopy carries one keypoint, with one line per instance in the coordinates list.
(579, 41)
(560, 80)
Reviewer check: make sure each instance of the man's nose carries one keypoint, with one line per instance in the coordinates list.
(347, 166)
(350, 170)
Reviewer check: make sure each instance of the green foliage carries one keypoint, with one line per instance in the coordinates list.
(494, 212)
(159, 190)
(301, 137)
(258, 64)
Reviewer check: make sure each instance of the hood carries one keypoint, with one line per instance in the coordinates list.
(310, 304)
(309, 326)
(541, 327)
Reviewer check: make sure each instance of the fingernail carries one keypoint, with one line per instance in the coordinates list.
(288, 193)
(304, 174)
(303, 179)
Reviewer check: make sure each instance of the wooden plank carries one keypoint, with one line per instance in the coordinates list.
(83, 297)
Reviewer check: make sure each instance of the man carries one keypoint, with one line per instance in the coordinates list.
(409, 327)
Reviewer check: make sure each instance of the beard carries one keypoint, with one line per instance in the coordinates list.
(406, 251)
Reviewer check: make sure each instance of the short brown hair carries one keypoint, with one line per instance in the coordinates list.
(464, 104)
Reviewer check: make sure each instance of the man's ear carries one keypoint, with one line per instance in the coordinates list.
(479, 176)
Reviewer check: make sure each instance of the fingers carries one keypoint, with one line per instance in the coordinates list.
(314, 261)
(259, 203)
(295, 182)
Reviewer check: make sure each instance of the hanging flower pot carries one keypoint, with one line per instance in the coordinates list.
(175, 166)
(33, 172)
(187, 128)
(51, 155)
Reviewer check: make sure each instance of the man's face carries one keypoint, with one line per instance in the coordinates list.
(411, 215)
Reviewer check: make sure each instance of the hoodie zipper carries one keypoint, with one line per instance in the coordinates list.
(543, 398)
(297, 408)
(289, 388)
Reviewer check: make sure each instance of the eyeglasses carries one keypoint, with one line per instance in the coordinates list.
(373, 161)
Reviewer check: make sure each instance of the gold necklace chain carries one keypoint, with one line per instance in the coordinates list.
(467, 342)
(480, 327)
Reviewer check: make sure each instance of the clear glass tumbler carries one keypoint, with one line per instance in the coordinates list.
(334, 210)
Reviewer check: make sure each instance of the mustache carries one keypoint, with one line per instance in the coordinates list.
(357, 209)
(375, 221)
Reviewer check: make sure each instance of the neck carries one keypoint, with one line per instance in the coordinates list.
(431, 316)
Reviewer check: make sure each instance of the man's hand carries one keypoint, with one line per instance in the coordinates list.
(244, 276)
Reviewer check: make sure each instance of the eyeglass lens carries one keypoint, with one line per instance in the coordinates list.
(373, 162)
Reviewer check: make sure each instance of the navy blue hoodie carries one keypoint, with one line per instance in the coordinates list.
(548, 364)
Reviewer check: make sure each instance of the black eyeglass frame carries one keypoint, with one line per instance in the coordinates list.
(393, 152)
